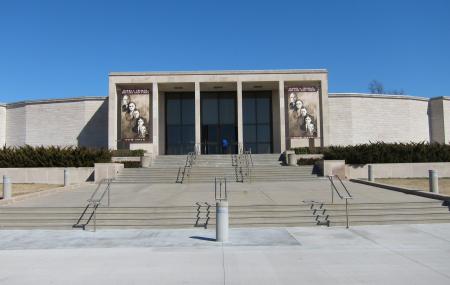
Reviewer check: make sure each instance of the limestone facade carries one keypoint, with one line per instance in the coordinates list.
(346, 118)
(62, 122)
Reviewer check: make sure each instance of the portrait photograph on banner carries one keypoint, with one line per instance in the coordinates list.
(135, 115)
(303, 111)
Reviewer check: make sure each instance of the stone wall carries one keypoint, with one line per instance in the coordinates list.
(446, 108)
(2, 124)
(399, 170)
(48, 175)
(353, 119)
(65, 122)
(363, 118)
(383, 170)
(16, 125)
(436, 117)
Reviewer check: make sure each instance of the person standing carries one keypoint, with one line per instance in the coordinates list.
(225, 145)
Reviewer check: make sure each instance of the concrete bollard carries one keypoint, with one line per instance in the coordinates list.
(146, 160)
(66, 177)
(433, 181)
(292, 159)
(370, 173)
(222, 222)
(7, 191)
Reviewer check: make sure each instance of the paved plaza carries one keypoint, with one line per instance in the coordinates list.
(376, 254)
(393, 254)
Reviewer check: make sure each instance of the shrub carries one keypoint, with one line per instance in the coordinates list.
(53, 156)
(132, 164)
(127, 152)
(308, 150)
(308, 161)
(389, 153)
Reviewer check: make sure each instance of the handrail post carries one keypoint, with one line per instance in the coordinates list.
(331, 188)
(341, 196)
(346, 212)
(109, 199)
(226, 195)
(332, 194)
(95, 218)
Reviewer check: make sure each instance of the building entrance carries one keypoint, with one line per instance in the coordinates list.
(218, 118)
(180, 122)
(257, 120)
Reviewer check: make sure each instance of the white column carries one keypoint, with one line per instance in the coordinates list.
(198, 137)
(240, 124)
(282, 116)
(155, 115)
(112, 116)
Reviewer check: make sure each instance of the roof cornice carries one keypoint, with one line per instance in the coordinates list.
(219, 72)
(59, 100)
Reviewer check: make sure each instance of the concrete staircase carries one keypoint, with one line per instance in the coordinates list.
(164, 169)
(302, 214)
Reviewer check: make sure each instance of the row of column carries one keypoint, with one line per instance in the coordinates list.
(155, 112)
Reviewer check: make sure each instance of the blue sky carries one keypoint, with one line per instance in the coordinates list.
(56, 49)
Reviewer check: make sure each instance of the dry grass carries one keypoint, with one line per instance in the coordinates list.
(21, 189)
(417, 183)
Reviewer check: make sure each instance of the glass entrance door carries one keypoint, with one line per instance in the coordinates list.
(180, 122)
(218, 116)
(257, 115)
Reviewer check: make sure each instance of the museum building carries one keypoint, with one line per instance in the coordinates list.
(216, 112)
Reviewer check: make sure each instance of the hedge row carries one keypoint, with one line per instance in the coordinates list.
(384, 153)
(127, 152)
(28, 156)
(309, 150)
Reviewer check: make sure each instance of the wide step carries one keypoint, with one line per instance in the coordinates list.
(240, 216)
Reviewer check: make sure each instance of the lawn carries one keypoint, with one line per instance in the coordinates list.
(417, 183)
(22, 188)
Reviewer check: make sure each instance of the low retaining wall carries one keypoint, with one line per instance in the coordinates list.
(405, 190)
(399, 170)
(106, 171)
(384, 170)
(145, 160)
(125, 158)
(333, 167)
(48, 175)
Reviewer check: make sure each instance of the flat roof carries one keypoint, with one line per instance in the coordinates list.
(218, 72)
(56, 100)
(379, 96)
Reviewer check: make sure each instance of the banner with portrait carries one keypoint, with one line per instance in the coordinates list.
(135, 115)
(303, 111)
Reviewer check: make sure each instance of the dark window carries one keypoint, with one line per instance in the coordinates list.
(218, 116)
(180, 122)
(257, 116)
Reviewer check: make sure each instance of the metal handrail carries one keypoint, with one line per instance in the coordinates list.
(249, 154)
(107, 190)
(247, 166)
(342, 197)
(234, 159)
(94, 203)
(248, 162)
(345, 188)
(190, 159)
(218, 193)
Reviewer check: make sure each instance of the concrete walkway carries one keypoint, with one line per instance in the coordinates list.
(397, 254)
